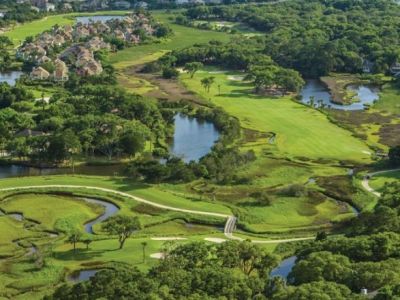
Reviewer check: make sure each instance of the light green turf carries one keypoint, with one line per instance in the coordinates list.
(293, 214)
(378, 181)
(53, 212)
(10, 230)
(301, 131)
(19, 33)
(389, 100)
(152, 193)
(183, 37)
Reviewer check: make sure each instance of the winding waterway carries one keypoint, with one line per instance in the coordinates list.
(110, 209)
(366, 94)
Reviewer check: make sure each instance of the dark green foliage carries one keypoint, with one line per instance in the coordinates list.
(394, 156)
(89, 120)
(317, 37)
(170, 73)
(232, 270)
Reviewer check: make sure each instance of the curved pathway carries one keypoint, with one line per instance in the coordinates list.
(365, 181)
(229, 225)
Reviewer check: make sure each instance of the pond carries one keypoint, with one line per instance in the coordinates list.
(193, 138)
(367, 94)
(284, 268)
(110, 209)
(10, 77)
(83, 275)
(103, 19)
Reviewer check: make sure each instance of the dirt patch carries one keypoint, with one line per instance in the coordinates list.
(168, 89)
(338, 187)
(389, 134)
(251, 136)
(358, 118)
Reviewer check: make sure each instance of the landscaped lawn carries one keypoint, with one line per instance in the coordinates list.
(301, 132)
(378, 181)
(182, 37)
(21, 32)
(389, 100)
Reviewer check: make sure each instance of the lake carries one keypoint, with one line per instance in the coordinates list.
(82, 275)
(10, 77)
(367, 94)
(284, 268)
(192, 138)
(88, 19)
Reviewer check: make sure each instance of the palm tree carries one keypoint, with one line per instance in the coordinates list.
(207, 83)
(144, 245)
(74, 238)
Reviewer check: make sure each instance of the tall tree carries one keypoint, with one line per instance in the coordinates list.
(192, 68)
(207, 83)
(123, 226)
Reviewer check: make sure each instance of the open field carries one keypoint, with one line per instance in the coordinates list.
(301, 132)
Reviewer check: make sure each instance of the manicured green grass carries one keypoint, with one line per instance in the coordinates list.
(152, 193)
(389, 100)
(53, 212)
(378, 181)
(292, 213)
(183, 37)
(21, 32)
(301, 132)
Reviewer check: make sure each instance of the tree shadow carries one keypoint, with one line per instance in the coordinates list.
(79, 254)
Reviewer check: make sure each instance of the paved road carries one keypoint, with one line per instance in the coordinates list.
(229, 225)
(365, 181)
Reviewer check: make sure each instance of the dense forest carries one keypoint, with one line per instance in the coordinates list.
(317, 37)
(85, 119)
(19, 13)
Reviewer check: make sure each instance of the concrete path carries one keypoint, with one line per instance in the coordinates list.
(365, 181)
(229, 225)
